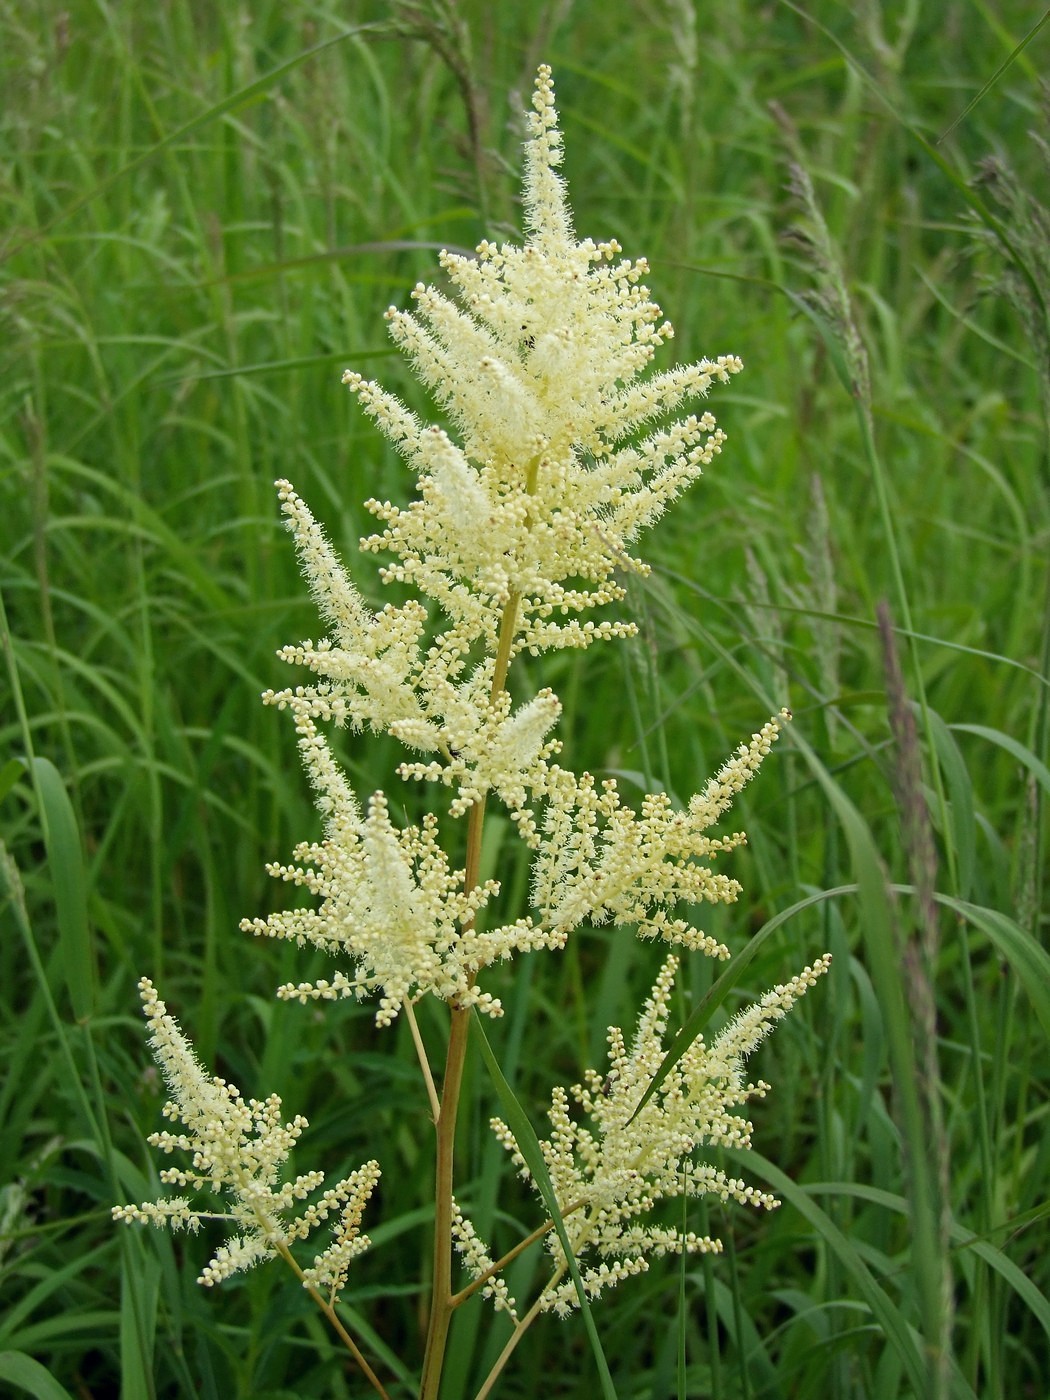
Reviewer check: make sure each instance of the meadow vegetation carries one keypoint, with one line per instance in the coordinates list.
(207, 210)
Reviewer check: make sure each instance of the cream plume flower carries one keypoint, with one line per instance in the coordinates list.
(598, 860)
(538, 368)
(520, 526)
(389, 899)
(239, 1147)
(605, 1181)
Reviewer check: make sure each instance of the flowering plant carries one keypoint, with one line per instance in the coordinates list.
(562, 457)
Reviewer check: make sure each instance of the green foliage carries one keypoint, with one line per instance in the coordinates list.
(207, 210)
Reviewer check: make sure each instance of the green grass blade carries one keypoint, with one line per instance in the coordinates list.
(1018, 1280)
(1017, 750)
(886, 1313)
(21, 1371)
(1025, 955)
(961, 812)
(249, 93)
(983, 91)
(66, 861)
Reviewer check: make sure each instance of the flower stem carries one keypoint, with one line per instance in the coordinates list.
(507, 629)
(441, 1302)
(333, 1317)
(515, 1337)
(424, 1063)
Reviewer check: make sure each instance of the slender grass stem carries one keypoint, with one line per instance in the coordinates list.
(441, 1306)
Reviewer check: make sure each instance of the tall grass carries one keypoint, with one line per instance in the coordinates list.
(207, 210)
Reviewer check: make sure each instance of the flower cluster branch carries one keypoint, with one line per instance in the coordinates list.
(607, 1180)
(238, 1148)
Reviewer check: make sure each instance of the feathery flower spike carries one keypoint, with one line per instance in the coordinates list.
(605, 1181)
(238, 1147)
(520, 526)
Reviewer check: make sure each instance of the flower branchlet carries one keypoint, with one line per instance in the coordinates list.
(238, 1147)
(476, 1258)
(632, 1160)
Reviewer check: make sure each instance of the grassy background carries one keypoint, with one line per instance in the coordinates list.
(207, 209)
